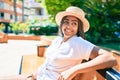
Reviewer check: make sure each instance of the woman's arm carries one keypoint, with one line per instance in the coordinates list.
(100, 59)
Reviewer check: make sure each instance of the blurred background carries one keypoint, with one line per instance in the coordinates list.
(36, 17)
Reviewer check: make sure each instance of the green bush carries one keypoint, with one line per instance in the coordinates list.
(44, 28)
(19, 27)
(2, 26)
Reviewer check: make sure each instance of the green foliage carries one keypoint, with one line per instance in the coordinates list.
(103, 16)
(38, 0)
(2, 26)
(19, 27)
(54, 6)
(44, 27)
(110, 45)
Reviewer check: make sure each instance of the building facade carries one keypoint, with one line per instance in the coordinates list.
(26, 10)
(7, 11)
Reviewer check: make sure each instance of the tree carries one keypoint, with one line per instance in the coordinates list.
(103, 16)
(15, 13)
(54, 6)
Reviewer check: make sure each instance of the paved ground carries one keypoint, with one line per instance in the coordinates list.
(11, 53)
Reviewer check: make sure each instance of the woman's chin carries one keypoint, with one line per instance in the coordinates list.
(68, 36)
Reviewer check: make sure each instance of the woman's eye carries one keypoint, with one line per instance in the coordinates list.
(66, 22)
(74, 24)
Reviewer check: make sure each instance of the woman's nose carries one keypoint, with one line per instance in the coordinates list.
(69, 25)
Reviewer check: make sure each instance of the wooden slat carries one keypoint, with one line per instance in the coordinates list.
(23, 37)
(117, 67)
(41, 48)
(31, 63)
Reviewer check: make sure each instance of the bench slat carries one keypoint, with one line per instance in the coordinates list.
(30, 63)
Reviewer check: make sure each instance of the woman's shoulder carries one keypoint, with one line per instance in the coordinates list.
(81, 41)
(57, 39)
(77, 39)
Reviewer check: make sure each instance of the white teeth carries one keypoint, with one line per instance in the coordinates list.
(68, 30)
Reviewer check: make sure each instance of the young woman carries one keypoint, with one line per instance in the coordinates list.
(65, 55)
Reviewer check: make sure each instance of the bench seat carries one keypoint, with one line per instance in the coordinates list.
(30, 64)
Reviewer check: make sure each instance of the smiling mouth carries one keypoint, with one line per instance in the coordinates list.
(67, 32)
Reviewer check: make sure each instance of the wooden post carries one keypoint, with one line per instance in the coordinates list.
(41, 50)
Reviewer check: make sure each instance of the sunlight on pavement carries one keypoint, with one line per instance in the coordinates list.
(11, 53)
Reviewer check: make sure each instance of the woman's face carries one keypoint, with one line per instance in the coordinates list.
(69, 27)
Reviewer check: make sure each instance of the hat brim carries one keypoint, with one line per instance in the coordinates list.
(60, 15)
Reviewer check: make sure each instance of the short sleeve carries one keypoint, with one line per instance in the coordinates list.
(84, 48)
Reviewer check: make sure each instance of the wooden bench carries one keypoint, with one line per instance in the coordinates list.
(30, 64)
(23, 37)
(3, 37)
(117, 56)
(41, 48)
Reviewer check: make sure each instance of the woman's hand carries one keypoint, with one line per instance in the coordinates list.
(31, 77)
(66, 75)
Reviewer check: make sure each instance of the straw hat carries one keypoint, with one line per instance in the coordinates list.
(73, 11)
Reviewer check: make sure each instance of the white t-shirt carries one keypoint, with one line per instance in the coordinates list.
(60, 57)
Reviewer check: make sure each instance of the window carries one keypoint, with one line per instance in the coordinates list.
(1, 15)
(40, 12)
(11, 16)
(1, 5)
